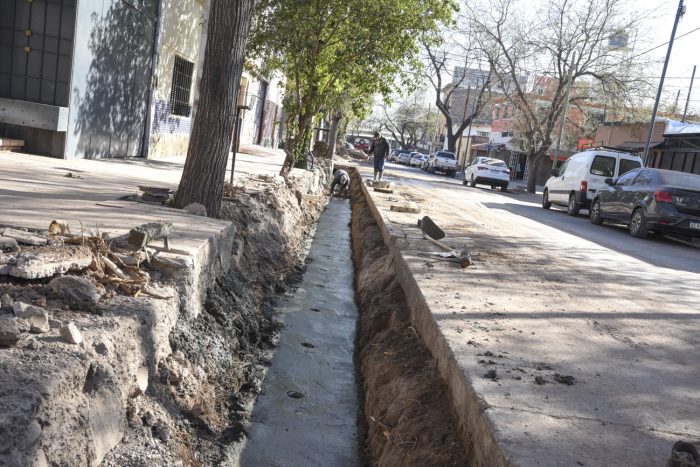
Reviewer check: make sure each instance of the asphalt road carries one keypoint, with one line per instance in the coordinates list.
(655, 250)
(580, 340)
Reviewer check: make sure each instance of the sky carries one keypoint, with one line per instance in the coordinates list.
(686, 50)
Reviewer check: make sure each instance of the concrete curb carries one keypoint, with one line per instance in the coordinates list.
(475, 428)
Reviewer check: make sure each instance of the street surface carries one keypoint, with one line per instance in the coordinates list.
(592, 334)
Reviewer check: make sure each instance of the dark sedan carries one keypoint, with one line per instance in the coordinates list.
(663, 201)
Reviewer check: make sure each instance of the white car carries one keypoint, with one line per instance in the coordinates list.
(404, 157)
(442, 161)
(487, 171)
(577, 181)
(417, 160)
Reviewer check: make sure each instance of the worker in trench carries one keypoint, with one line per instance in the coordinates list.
(380, 149)
(341, 181)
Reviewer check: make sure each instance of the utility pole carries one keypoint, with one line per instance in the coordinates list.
(687, 100)
(679, 13)
(564, 112)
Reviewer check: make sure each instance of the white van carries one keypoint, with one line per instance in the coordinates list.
(576, 182)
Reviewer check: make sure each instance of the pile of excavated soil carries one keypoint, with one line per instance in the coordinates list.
(406, 418)
(194, 412)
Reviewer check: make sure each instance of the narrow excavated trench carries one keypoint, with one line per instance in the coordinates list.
(351, 382)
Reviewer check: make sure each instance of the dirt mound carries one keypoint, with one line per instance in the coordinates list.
(406, 418)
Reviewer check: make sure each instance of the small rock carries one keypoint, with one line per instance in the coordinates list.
(39, 323)
(539, 380)
(142, 378)
(491, 374)
(71, 334)
(55, 323)
(31, 310)
(410, 206)
(564, 379)
(10, 332)
(101, 347)
(33, 344)
(6, 302)
(163, 431)
(19, 307)
(75, 289)
(196, 410)
(8, 244)
(41, 301)
(195, 209)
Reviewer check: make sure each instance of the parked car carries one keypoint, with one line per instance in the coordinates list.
(577, 181)
(443, 161)
(362, 144)
(393, 155)
(487, 171)
(645, 199)
(404, 157)
(417, 160)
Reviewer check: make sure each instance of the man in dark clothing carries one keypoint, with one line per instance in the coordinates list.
(380, 149)
(341, 179)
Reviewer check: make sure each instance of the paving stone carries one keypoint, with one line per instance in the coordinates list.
(49, 261)
(71, 333)
(75, 289)
(8, 244)
(25, 238)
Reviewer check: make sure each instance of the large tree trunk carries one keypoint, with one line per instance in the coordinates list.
(210, 139)
(452, 143)
(333, 134)
(533, 164)
(300, 142)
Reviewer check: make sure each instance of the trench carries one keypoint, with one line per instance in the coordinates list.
(351, 382)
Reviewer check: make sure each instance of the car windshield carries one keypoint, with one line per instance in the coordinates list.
(445, 155)
(680, 179)
(496, 162)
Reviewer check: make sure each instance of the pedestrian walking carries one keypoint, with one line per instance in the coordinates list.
(341, 179)
(380, 150)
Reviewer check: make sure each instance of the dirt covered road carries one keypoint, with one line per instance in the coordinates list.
(577, 350)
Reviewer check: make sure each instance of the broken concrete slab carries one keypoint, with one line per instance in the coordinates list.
(25, 238)
(76, 290)
(409, 206)
(168, 262)
(8, 244)
(49, 261)
(71, 333)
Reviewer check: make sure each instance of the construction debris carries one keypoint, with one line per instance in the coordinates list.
(140, 236)
(156, 194)
(8, 244)
(409, 206)
(48, 261)
(10, 331)
(71, 334)
(23, 237)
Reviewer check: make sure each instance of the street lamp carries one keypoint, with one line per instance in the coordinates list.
(680, 12)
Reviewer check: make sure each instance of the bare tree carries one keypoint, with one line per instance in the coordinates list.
(408, 121)
(564, 42)
(205, 168)
(468, 81)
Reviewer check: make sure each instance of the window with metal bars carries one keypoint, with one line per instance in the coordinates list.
(182, 83)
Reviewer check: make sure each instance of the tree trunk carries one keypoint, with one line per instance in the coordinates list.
(533, 163)
(300, 142)
(210, 139)
(333, 134)
(452, 143)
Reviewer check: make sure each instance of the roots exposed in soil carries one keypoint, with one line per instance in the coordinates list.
(406, 418)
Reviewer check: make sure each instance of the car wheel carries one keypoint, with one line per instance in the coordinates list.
(504, 188)
(595, 215)
(464, 182)
(638, 224)
(573, 207)
(452, 174)
(473, 182)
(545, 200)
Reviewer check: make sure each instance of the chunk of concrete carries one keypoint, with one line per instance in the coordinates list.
(76, 290)
(8, 244)
(383, 190)
(39, 324)
(25, 238)
(71, 333)
(409, 206)
(26, 312)
(195, 209)
(6, 302)
(19, 307)
(10, 331)
(168, 262)
(55, 323)
(49, 261)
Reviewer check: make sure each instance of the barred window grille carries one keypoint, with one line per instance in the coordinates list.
(182, 83)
